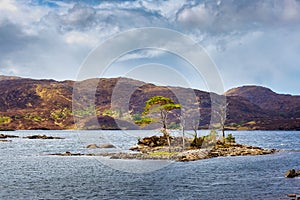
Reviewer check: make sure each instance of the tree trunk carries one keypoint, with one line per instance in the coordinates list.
(166, 135)
(223, 133)
(183, 140)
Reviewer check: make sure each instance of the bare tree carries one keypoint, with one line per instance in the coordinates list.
(220, 108)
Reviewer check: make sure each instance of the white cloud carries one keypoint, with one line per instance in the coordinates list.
(197, 16)
(75, 37)
(141, 54)
(8, 5)
(38, 39)
(266, 58)
(291, 10)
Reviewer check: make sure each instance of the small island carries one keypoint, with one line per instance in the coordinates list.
(166, 147)
(156, 148)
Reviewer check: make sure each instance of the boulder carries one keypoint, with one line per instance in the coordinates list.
(153, 141)
(92, 146)
(290, 173)
(107, 146)
(135, 147)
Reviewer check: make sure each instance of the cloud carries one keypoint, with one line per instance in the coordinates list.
(227, 16)
(7, 5)
(266, 58)
(51, 38)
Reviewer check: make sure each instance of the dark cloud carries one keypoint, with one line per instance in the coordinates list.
(12, 38)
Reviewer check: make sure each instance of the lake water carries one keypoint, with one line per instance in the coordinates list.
(28, 173)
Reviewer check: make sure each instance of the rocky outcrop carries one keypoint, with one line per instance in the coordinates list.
(192, 155)
(176, 153)
(292, 173)
(42, 137)
(293, 196)
(8, 136)
(5, 140)
(102, 146)
(153, 141)
(238, 150)
(92, 146)
(67, 153)
(107, 146)
(140, 152)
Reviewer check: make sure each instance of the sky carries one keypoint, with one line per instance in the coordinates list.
(251, 42)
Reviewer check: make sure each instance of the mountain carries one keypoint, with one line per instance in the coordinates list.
(284, 104)
(112, 103)
(283, 109)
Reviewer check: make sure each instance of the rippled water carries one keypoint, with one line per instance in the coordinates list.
(28, 173)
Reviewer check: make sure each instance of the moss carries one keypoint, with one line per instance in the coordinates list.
(60, 114)
(5, 120)
(33, 117)
(86, 112)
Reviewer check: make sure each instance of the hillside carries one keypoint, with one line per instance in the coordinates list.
(283, 104)
(47, 104)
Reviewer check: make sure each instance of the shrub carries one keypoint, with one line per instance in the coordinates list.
(230, 138)
(5, 120)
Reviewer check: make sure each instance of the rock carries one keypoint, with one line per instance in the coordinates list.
(191, 155)
(153, 141)
(103, 146)
(290, 173)
(298, 172)
(291, 195)
(8, 136)
(107, 146)
(135, 148)
(42, 137)
(5, 140)
(115, 157)
(68, 153)
(92, 146)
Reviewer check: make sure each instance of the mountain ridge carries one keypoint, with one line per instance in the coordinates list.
(47, 104)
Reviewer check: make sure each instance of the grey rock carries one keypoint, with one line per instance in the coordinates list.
(107, 146)
(92, 146)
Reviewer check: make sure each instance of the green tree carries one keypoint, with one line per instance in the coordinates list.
(157, 109)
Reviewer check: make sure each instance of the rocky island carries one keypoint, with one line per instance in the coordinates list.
(156, 148)
(157, 109)
(149, 151)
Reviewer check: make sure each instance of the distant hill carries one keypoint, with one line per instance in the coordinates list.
(47, 104)
(283, 104)
(283, 109)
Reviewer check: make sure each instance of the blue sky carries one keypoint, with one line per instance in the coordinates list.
(250, 41)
